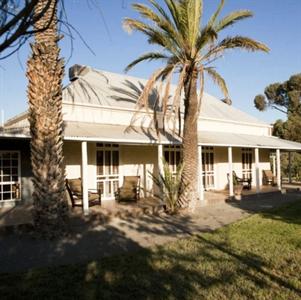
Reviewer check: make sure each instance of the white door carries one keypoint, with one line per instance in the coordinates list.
(246, 162)
(107, 160)
(208, 167)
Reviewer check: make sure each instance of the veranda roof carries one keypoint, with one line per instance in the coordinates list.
(213, 138)
(116, 134)
(80, 131)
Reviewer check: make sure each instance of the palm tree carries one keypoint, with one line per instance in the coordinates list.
(188, 48)
(45, 73)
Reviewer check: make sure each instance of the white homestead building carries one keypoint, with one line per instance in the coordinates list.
(98, 107)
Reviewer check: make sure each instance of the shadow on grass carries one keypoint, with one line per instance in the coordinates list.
(289, 213)
(199, 267)
(252, 262)
(272, 205)
(143, 274)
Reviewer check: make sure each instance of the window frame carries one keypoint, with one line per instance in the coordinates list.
(172, 151)
(11, 182)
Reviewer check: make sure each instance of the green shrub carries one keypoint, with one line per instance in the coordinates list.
(170, 186)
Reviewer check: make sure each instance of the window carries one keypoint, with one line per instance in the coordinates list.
(173, 156)
(246, 159)
(107, 161)
(9, 176)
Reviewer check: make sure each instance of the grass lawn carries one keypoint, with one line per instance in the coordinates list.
(257, 258)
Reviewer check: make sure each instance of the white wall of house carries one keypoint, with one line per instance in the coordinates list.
(222, 167)
(134, 160)
(264, 162)
(140, 160)
(72, 153)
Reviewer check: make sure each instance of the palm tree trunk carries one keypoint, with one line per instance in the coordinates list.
(190, 141)
(45, 74)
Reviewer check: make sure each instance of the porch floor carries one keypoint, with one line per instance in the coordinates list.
(213, 197)
(110, 208)
(21, 214)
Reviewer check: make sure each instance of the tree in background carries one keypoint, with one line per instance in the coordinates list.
(45, 74)
(286, 98)
(188, 47)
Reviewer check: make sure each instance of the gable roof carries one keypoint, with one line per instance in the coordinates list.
(104, 88)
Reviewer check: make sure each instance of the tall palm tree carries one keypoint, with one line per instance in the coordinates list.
(45, 73)
(188, 48)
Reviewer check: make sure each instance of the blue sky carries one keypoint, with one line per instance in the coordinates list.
(275, 22)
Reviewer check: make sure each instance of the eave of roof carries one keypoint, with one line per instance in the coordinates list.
(79, 131)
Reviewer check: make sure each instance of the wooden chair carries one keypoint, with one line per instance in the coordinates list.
(74, 188)
(268, 177)
(130, 190)
(245, 182)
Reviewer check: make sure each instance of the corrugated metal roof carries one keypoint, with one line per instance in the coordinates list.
(79, 131)
(115, 133)
(210, 138)
(119, 90)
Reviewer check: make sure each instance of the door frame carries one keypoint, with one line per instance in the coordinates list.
(206, 174)
(112, 179)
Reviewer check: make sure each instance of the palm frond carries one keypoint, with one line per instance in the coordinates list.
(146, 57)
(216, 14)
(143, 99)
(218, 79)
(161, 11)
(146, 12)
(207, 35)
(154, 35)
(194, 14)
(163, 23)
(172, 64)
(166, 93)
(130, 25)
(177, 96)
(174, 11)
(229, 43)
(179, 16)
(243, 43)
(232, 18)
